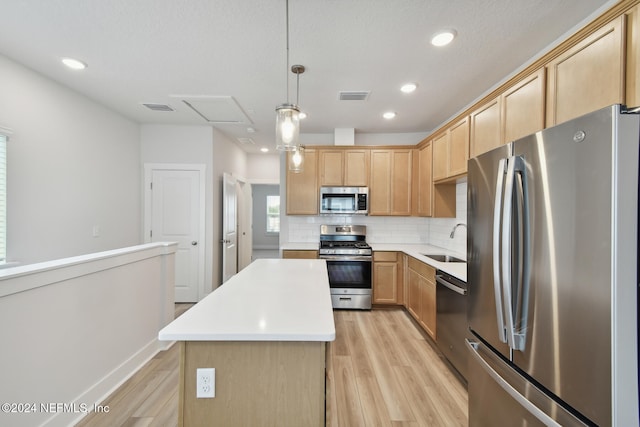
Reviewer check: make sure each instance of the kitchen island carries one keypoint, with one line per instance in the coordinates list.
(264, 331)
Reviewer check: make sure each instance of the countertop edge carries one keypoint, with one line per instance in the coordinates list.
(325, 337)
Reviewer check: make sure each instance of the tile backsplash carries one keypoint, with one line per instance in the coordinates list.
(408, 230)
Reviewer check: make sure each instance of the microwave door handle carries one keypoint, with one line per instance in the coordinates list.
(497, 285)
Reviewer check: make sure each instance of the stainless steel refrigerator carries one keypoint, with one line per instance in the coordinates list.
(552, 276)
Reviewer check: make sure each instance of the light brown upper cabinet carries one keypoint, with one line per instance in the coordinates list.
(485, 128)
(523, 107)
(425, 182)
(302, 188)
(451, 151)
(390, 182)
(344, 167)
(588, 76)
(459, 147)
(440, 156)
(517, 112)
(633, 57)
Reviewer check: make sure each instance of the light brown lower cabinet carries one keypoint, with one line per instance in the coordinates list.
(387, 278)
(299, 254)
(421, 294)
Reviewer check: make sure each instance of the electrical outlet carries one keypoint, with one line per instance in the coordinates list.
(205, 382)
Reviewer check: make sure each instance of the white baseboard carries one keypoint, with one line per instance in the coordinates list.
(108, 384)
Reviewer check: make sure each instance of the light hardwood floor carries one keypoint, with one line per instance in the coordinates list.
(381, 371)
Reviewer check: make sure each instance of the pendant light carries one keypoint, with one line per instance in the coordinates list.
(296, 159)
(288, 114)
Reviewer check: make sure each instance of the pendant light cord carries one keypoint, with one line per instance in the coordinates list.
(287, 70)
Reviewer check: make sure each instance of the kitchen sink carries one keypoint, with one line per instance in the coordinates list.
(443, 258)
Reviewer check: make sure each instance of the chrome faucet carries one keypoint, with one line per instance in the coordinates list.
(453, 232)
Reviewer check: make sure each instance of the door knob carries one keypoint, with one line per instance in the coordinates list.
(194, 243)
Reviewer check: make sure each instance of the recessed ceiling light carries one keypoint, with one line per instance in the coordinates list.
(302, 115)
(74, 64)
(409, 87)
(264, 149)
(443, 38)
(389, 115)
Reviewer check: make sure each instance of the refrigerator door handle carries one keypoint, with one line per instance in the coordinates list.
(497, 226)
(517, 396)
(512, 296)
(507, 237)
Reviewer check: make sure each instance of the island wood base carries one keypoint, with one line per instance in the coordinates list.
(258, 383)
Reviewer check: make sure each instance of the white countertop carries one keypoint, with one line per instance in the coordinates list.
(270, 300)
(303, 246)
(457, 269)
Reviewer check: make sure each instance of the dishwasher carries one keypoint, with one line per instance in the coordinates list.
(451, 320)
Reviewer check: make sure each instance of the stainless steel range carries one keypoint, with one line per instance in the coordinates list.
(348, 257)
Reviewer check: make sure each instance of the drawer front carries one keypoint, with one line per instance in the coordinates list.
(421, 268)
(385, 256)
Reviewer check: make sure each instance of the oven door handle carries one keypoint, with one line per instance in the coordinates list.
(346, 258)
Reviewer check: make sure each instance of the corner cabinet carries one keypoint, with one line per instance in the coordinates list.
(387, 278)
(589, 75)
(390, 182)
(425, 182)
(451, 151)
(302, 188)
(421, 294)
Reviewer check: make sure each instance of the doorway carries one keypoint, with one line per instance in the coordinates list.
(266, 221)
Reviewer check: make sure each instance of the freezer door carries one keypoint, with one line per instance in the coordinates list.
(567, 347)
(483, 175)
(500, 396)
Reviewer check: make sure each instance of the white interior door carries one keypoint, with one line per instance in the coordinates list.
(176, 204)
(229, 227)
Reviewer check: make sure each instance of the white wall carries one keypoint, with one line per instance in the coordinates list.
(227, 158)
(199, 145)
(263, 168)
(72, 165)
(185, 145)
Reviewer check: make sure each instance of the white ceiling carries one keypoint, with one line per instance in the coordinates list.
(157, 51)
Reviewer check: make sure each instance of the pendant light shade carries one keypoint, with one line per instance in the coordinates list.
(296, 160)
(287, 127)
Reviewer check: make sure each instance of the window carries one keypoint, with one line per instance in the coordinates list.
(3, 197)
(273, 214)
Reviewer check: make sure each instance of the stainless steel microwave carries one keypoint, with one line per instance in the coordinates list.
(344, 200)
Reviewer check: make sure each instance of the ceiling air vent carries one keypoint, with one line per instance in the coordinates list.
(353, 95)
(158, 107)
(246, 141)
